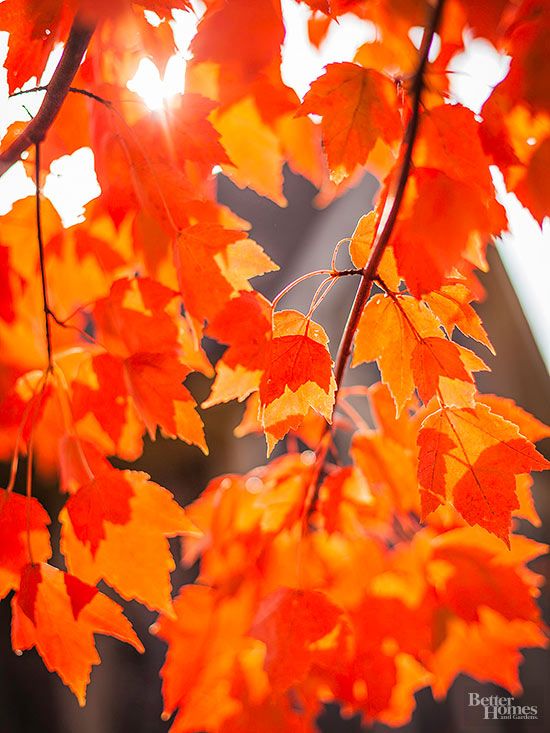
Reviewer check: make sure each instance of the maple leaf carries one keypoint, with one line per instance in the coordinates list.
(449, 141)
(34, 29)
(426, 247)
(261, 168)
(311, 616)
(59, 614)
(137, 323)
(298, 375)
(532, 188)
(151, 162)
(241, 55)
(411, 351)
(451, 304)
(115, 528)
(224, 258)
(365, 100)
(343, 497)
(481, 574)
(245, 325)
(488, 651)
(204, 640)
(471, 457)
(19, 516)
(389, 469)
(360, 248)
(528, 425)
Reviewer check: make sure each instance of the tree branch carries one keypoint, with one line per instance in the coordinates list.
(371, 267)
(368, 274)
(42, 259)
(73, 90)
(58, 88)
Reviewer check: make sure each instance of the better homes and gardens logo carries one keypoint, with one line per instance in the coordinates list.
(497, 707)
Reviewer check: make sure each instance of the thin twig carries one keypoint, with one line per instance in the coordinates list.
(79, 37)
(73, 90)
(45, 301)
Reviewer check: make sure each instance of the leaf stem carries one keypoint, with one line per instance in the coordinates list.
(77, 42)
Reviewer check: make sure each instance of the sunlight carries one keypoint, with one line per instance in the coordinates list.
(71, 184)
(154, 89)
(147, 81)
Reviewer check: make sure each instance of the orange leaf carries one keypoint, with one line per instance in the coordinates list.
(116, 527)
(245, 325)
(470, 457)
(310, 615)
(360, 248)
(213, 263)
(358, 107)
(19, 515)
(59, 614)
(432, 358)
(411, 352)
(204, 641)
(451, 304)
(488, 651)
(254, 149)
(298, 375)
(443, 221)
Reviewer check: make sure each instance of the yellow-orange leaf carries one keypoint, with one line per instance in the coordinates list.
(59, 615)
(359, 108)
(116, 528)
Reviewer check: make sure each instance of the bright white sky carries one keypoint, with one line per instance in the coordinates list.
(525, 251)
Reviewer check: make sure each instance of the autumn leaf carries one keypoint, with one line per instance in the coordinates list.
(245, 325)
(205, 640)
(241, 54)
(223, 258)
(137, 324)
(426, 247)
(365, 100)
(480, 574)
(470, 457)
(261, 169)
(412, 351)
(389, 469)
(452, 305)
(311, 616)
(361, 244)
(115, 528)
(23, 525)
(298, 375)
(34, 29)
(485, 651)
(59, 614)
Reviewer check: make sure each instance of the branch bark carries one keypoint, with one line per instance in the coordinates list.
(79, 37)
(369, 272)
(384, 236)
